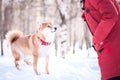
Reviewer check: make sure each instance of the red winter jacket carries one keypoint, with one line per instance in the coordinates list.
(103, 19)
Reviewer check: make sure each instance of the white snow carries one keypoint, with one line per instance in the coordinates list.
(79, 66)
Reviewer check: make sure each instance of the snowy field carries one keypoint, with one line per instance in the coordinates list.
(79, 66)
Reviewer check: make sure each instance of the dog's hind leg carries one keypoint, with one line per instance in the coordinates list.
(27, 62)
(16, 63)
(16, 58)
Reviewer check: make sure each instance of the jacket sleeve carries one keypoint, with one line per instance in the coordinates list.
(109, 17)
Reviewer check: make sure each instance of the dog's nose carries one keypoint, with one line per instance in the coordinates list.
(55, 28)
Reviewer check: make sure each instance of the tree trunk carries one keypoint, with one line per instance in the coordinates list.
(1, 46)
(8, 16)
(1, 27)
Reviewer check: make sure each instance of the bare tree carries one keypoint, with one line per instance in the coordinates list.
(1, 26)
(0, 15)
(8, 16)
(27, 14)
(61, 7)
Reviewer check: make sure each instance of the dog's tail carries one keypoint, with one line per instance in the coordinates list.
(12, 36)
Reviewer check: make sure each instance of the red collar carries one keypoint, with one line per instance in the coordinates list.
(44, 42)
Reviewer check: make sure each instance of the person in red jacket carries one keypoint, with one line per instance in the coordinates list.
(103, 19)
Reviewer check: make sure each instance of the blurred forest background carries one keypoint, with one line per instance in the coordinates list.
(26, 15)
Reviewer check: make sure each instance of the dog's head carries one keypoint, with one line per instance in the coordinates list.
(46, 31)
(47, 26)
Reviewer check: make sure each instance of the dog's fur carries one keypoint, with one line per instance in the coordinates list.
(24, 45)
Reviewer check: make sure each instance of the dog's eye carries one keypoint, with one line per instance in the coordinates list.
(49, 26)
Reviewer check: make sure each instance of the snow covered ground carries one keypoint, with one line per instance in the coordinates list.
(82, 65)
(79, 66)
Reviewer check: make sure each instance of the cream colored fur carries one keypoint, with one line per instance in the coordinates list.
(24, 45)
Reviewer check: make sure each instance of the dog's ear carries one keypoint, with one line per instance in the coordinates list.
(50, 22)
(42, 25)
(36, 31)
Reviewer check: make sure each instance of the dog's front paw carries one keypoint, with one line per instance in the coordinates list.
(47, 72)
(37, 73)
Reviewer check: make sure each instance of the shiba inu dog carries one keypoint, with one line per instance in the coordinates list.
(35, 44)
